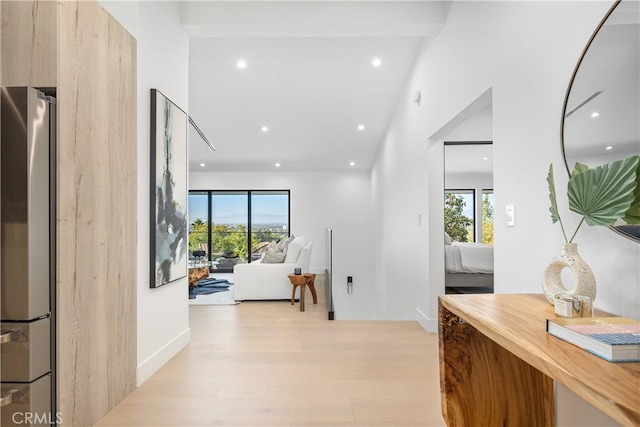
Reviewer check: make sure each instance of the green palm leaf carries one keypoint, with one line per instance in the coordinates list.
(605, 193)
(579, 168)
(552, 196)
(632, 216)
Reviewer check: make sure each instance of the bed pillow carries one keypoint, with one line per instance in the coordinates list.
(447, 238)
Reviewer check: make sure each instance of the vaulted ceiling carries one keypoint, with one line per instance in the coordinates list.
(309, 79)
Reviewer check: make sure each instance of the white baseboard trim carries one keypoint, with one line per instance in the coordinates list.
(429, 325)
(150, 366)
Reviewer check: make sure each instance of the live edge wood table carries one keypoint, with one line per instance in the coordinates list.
(197, 273)
(302, 280)
(498, 364)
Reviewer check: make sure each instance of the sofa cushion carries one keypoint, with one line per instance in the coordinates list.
(294, 249)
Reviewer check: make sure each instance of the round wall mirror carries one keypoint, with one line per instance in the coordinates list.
(601, 115)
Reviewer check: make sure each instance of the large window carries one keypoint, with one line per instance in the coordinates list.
(269, 219)
(234, 226)
(459, 215)
(462, 216)
(487, 216)
(198, 221)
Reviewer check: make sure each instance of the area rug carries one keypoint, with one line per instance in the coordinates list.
(208, 286)
(212, 291)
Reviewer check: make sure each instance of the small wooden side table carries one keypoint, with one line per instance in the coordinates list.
(303, 280)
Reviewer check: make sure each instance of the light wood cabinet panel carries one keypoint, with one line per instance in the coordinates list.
(96, 212)
(95, 81)
(29, 43)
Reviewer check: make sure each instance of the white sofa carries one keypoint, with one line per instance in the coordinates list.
(263, 281)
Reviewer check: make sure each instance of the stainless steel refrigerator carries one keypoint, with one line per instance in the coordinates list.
(27, 258)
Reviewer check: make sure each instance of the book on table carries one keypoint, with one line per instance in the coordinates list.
(616, 339)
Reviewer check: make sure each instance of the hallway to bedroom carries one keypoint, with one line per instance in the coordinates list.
(269, 364)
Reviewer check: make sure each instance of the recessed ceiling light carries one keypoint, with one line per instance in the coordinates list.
(595, 114)
(610, 147)
(264, 129)
(242, 64)
(376, 62)
(360, 127)
(352, 163)
(202, 165)
(277, 165)
(485, 158)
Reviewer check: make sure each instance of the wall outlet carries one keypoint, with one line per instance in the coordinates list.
(349, 279)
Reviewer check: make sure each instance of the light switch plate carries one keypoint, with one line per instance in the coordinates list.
(510, 215)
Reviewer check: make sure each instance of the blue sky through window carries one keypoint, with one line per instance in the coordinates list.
(232, 208)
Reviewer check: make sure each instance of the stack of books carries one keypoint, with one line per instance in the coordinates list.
(616, 339)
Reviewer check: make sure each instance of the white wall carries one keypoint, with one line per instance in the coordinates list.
(468, 181)
(525, 53)
(321, 200)
(499, 45)
(478, 127)
(163, 63)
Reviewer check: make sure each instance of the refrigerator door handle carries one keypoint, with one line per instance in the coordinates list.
(10, 336)
(12, 396)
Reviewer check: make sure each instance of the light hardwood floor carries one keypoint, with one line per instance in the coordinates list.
(268, 364)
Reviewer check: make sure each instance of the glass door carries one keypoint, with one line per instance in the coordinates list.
(269, 219)
(229, 228)
(199, 249)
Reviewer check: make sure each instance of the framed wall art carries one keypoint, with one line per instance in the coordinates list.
(169, 233)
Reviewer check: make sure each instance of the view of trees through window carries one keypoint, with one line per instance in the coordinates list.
(487, 217)
(459, 215)
(234, 223)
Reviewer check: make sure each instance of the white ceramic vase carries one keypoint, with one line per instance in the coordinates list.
(569, 258)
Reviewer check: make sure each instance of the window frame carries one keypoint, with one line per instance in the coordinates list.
(210, 193)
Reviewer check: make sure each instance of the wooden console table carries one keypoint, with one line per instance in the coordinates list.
(498, 364)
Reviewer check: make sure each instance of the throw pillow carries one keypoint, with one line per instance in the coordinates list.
(273, 254)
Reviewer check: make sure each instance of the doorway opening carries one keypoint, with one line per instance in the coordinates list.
(468, 216)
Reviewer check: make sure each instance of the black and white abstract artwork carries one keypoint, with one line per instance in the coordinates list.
(169, 233)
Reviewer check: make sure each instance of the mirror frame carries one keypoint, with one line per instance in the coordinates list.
(566, 101)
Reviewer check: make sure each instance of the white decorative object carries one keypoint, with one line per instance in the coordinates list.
(569, 258)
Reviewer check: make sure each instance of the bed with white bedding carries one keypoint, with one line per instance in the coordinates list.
(469, 268)
(463, 257)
